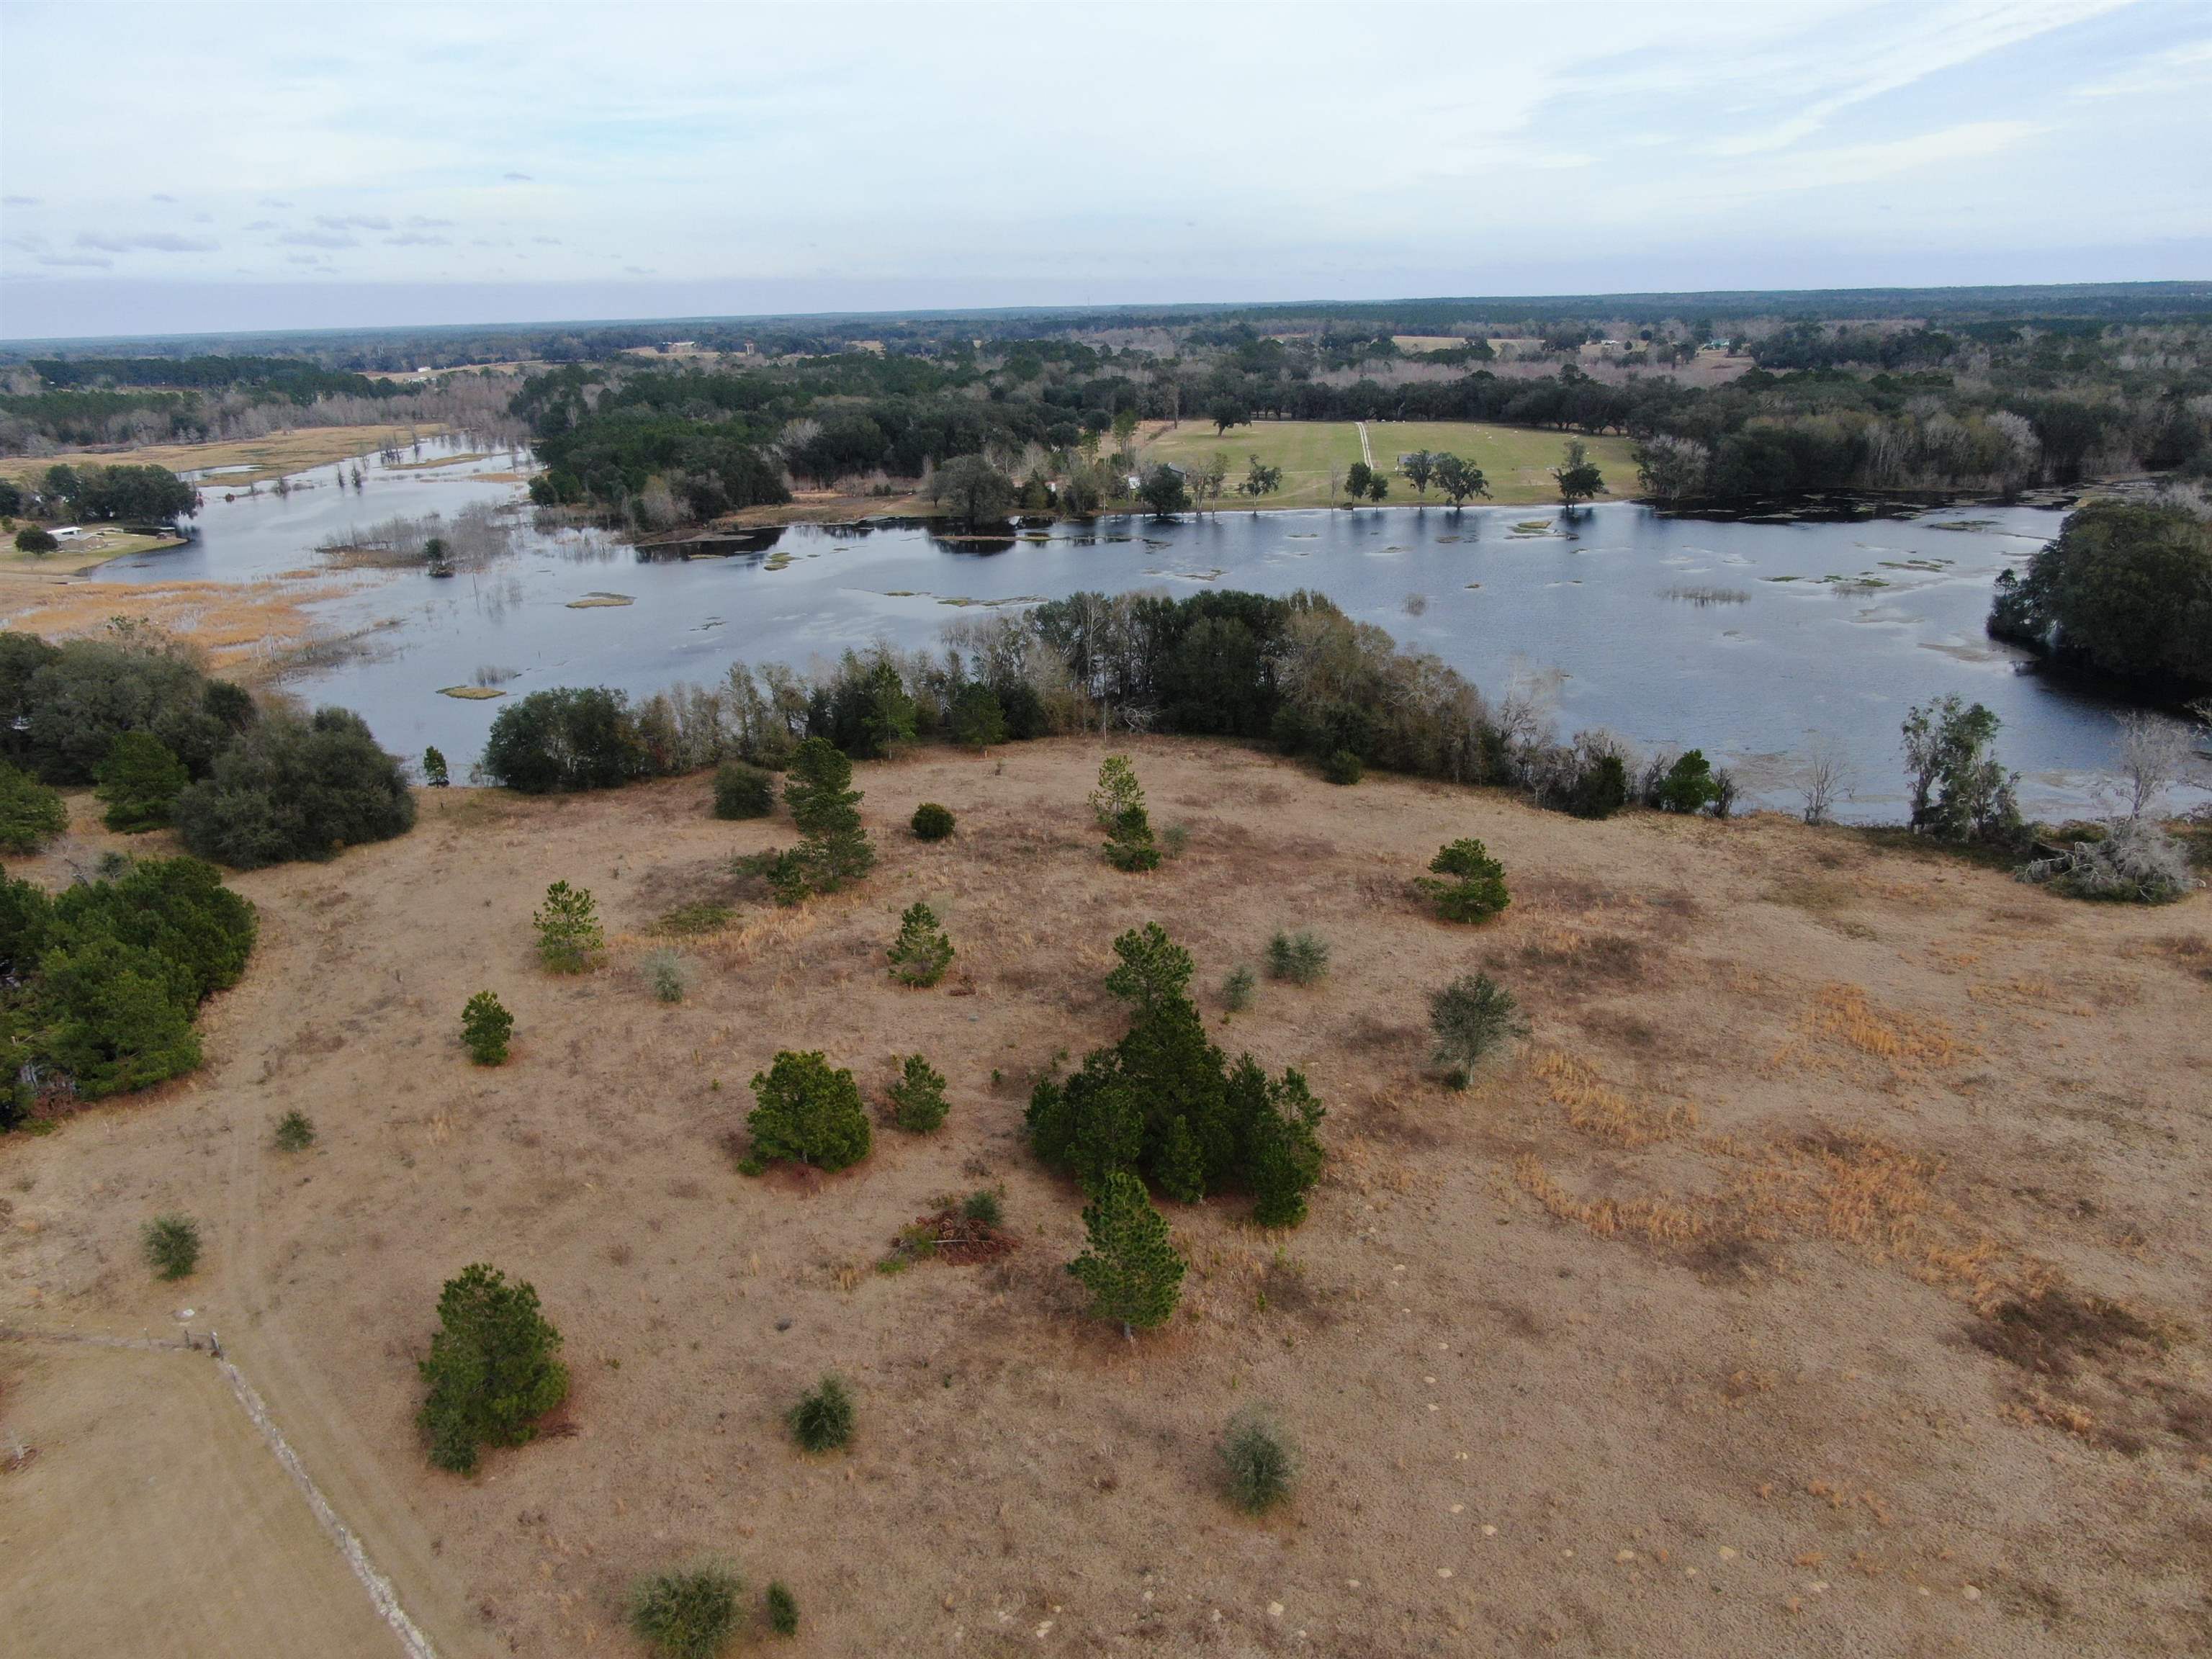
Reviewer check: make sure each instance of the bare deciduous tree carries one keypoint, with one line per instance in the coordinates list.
(2156, 754)
(1823, 778)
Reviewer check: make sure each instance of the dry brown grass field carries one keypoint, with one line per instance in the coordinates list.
(271, 456)
(1826, 1274)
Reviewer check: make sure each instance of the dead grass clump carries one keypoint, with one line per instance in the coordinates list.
(1657, 1221)
(1582, 963)
(2045, 1334)
(2193, 952)
(1843, 1014)
(1385, 1117)
(1595, 1109)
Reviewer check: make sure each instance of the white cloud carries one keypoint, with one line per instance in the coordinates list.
(158, 241)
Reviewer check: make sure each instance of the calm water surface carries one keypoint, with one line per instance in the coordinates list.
(1753, 642)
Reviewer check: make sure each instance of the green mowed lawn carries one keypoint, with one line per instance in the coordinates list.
(1517, 460)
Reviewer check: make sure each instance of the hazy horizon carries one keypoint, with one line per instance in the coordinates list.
(309, 167)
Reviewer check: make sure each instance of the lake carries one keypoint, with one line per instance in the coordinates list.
(1754, 641)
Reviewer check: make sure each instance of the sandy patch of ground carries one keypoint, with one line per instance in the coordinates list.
(1826, 1274)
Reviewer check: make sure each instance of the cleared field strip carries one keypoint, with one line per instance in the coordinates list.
(1517, 460)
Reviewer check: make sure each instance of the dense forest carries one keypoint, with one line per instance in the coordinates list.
(1731, 397)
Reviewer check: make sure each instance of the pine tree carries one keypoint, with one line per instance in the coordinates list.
(1129, 844)
(1177, 1166)
(1131, 1268)
(918, 1097)
(491, 1371)
(1153, 968)
(1283, 1156)
(434, 768)
(808, 1112)
(1117, 790)
(1474, 885)
(834, 850)
(486, 1026)
(568, 933)
(921, 952)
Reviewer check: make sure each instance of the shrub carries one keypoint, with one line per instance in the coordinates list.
(742, 791)
(31, 815)
(568, 933)
(1258, 1463)
(565, 738)
(1129, 845)
(294, 1133)
(932, 822)
(984, 1208)
(1343, 767)
(918, 1097)
(434, 771)
(783, 1608)
(1301, 958)
(808, 1112)
(140, 781)
(492, 1370)
(1600, 788)
(921, 952)
(1468, 1018)
(1467, 884)
(688, 1614)
(822, 1421)
(1131, 1268)
(291, 788)
(666, 972)
(172, 1244)
(65, 704)
(2136, 862)
(486, 1026)
(1236, 990)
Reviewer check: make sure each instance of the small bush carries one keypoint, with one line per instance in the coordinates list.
(690, 1614)
(1236, 990)
(294, 1133)
(983, 1207)
(1175, 840)
(568, 933)
(1344, 767)
(1601, 788)
(492, 1370)
(742, 791)
(921, 952)
(918, 1097)
(822, 1421)
(172, 1244)
(140, 781)
(1467, 884)
(700, 916)
(1258, 1463)
(1301, 958)
(486, 1026)
(666, 973)
(782, 1610)
(932, 822)
(31, 815)
(808, 1112)
(1468, 1018)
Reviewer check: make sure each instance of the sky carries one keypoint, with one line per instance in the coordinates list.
(187, 167)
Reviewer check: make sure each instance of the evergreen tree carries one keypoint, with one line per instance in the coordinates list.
(434, 768)
(921, 952)
(1153, 968)
(1283, 1156)
(568, 933)
(1117, 790)
(492, 1369)
(979, 720)
(918, 1097)
(834, 850)
(486, 1026)
(1131, 1268)
(140, 781)
(1472, 888)
(1129, 845)
(808, 1112)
